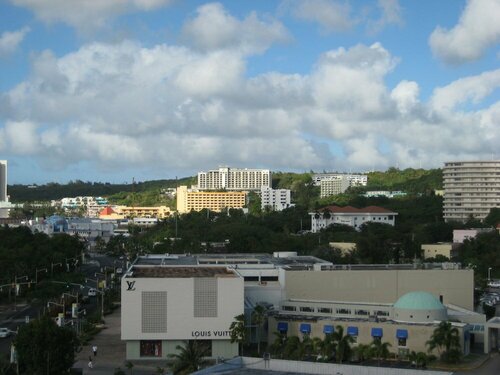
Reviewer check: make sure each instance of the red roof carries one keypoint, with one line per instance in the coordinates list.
(107, 211)
(350, 209)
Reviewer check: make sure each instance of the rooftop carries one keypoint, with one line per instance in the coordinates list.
(354, 210)
(180, 272)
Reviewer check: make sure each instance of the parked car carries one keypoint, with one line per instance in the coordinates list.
(92, 292)
(119, 271)
(5, 332)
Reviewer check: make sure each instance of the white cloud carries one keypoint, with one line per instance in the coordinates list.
(10, 40)
(477, 30)
(214, 28)
(332, 16)
(86, 15)
(170, 107)
(473, 89)
(390, 15)
(405, 95)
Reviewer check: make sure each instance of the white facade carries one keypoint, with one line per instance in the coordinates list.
(471, 188)
(384, 193)
(275, 199)
(4, 211)
(164, 306)
(354, 217)
(234, 179)
(354, 179)
(333, 186)
(3, 180)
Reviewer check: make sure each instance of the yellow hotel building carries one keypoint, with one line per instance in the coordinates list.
(191, 200)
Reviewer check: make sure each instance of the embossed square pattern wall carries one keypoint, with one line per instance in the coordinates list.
(205, 297)
(154, 312)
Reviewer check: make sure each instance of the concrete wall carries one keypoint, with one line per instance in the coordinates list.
(418, 334)
(435, 249)
(181, 323)
(380, 286)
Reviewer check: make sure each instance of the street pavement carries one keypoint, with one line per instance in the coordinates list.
(111, 351)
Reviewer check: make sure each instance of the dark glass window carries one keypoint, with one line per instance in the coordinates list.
(150, 348)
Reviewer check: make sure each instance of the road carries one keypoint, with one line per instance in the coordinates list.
(12, 316)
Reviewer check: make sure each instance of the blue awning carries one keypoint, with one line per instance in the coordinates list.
(282, 326)
(352, 331)
(327, 329)
(377, 332)
(305, 328)
(402, 334)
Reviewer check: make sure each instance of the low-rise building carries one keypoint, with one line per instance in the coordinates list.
(195, 200)
(385, 193)
(163, 307)
(445, 249)
(355, 179)
(351, 216)
(157, 212)
(344, 247)
(460, 235)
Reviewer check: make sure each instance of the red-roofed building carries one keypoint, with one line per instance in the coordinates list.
(352, 216)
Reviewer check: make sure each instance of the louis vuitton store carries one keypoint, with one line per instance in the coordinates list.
(165, 306)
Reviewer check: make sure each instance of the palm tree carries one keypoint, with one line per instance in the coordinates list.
(342, 344)
(258, 318)
(293, 348)
(279, 343)
(238, 331)
(363, 352)
(420, 359)
(380, 350)
(445, 339)
(189, 358)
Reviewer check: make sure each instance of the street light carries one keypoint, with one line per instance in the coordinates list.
(36, 274)
(52, 268)
(98, 291)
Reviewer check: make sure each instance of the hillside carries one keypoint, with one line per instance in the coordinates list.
(25, 193)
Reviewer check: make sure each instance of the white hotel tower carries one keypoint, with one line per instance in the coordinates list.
(234, 179)
(471, 188)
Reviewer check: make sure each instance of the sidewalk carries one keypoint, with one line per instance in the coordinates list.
(110, 351)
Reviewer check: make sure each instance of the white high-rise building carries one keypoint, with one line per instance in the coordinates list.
(4, 212)
(333, 186)
(3, 180)
(471, 189)
(275, 199)
(226, 178)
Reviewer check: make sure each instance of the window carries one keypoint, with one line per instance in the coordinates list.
(362, 312)
(150, 348)
(402, 342)
(324, 310)
(343, 311)
(306, 309)
(288, 308)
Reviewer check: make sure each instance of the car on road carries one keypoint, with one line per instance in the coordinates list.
(4, 332)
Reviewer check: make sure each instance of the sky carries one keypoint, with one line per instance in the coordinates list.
(112, 90)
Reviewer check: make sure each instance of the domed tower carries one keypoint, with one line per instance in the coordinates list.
(419, 307)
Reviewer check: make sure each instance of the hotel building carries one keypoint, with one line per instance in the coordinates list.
(226, 178)
(471, 189)
(195, 200)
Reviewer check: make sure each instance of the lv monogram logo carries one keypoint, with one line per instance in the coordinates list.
(130, 285)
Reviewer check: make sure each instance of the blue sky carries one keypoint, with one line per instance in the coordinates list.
(152, 89)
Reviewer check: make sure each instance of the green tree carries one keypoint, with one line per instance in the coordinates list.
(45, 348)
(239, 331)
(493, 218)
(420, 359)
(189, 358)
(445, 339)
(363, 352)
(258, 319)
(342, 344)
(380, 350)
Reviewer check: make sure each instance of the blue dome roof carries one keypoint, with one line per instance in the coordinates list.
(418, 301)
